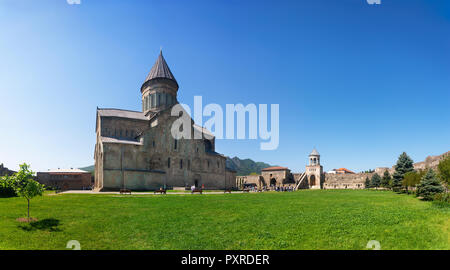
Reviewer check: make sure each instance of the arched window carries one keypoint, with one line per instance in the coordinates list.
(175, 144)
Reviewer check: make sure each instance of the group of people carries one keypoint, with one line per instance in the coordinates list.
(274, 188)
(284, 188)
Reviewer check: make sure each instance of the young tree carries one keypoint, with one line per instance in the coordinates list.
(375, 181)
(367, 183)
(25, 186)
(404, 165)
(429, 186)
(386, 179)
(444, 171)
(412, 179)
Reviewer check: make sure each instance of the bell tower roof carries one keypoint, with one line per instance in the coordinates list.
(314, 153)
(160, 70)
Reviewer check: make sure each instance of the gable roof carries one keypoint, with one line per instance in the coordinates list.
(276, 168)
(122, 114)
(344, 170)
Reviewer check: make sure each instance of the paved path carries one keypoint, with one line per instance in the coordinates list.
(144, 193)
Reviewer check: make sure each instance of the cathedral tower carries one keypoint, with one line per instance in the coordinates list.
(159, 91)
(314, 171)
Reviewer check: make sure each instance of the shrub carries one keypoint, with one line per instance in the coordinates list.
(442, 197)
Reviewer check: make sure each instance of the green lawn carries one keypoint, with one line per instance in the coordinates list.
(309, 219)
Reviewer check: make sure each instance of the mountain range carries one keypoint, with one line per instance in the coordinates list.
(241, 166)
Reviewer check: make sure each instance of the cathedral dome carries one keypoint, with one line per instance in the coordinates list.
(160, 71)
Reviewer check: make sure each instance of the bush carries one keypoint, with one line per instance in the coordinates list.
(7, 187)
(442, 197)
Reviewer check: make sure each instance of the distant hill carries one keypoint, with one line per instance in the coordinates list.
(88, 168)
(241, 166)
(246, 166)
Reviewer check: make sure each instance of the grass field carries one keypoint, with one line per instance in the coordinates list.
(310, 219)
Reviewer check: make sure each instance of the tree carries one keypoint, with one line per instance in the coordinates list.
(375, 181)
(412, 179)
(25, 186)
(386, 179)
(444, 171)
(429, 186)
(7, 187)
(404, 165)
(367, 183)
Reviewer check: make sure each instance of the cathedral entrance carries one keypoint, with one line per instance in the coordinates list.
(196, 183)
(312, 180)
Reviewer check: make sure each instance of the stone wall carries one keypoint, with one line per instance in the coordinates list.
(5, 171)
(65, 181)
(430, 162)
(345, 181)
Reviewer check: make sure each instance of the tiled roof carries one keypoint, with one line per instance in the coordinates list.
(122, 114)
(277, 168)
(344, 169)
(160, 70)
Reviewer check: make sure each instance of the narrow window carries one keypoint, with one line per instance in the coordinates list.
(176, 144)
(181, 164)
(153, 143)
(159, 100)
(218, 165)
(168, 163)
(208, 163)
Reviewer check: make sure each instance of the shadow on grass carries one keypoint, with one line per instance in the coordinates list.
(49, 224)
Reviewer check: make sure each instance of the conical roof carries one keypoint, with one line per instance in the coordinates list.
(314, 153)
(160, 70)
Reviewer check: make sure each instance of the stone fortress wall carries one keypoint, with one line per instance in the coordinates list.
(345, 181)
(356, 181)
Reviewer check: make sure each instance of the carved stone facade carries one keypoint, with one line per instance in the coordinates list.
(136, 150)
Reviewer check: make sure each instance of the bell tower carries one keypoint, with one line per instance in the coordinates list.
(314, 171)
(159, 91)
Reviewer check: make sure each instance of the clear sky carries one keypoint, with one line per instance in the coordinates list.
(362, 83)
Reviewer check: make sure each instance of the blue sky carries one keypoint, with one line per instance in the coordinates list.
(360, 82)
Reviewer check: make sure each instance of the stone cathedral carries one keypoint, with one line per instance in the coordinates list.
(135, 149)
